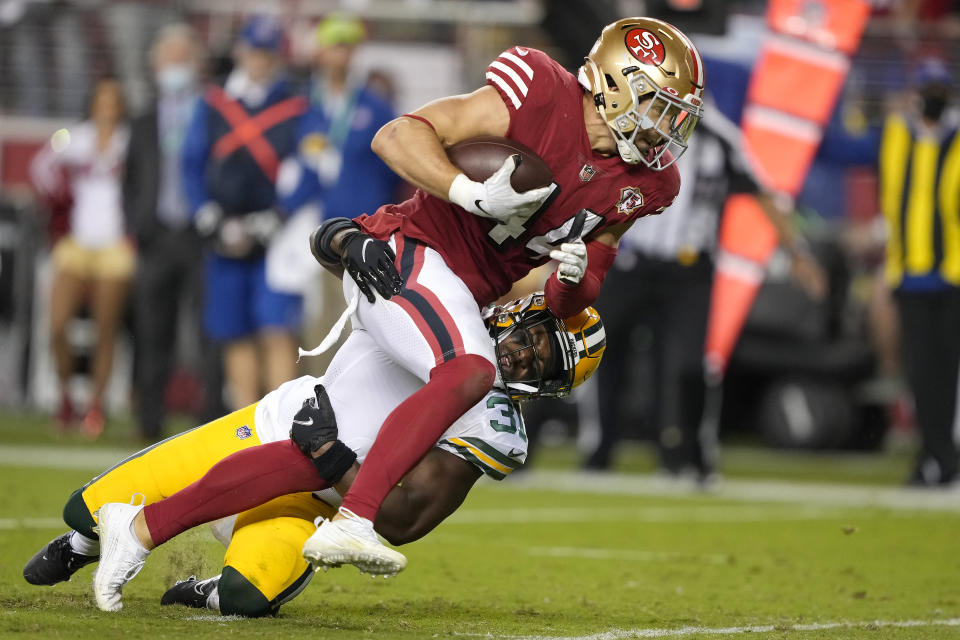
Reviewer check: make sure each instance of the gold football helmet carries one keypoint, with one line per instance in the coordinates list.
(539, 355)
(645, 75)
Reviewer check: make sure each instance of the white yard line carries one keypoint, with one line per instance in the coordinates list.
(15, 524)
(640, 513)
(47, 457)
(628, 554)
(840, 495)
(617, 634)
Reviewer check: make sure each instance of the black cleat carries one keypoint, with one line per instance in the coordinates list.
(56, 562)
(190, 592)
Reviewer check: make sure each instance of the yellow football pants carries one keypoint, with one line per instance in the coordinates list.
(267, 540)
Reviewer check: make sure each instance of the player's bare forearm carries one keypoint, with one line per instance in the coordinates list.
(429, 493)
(416, 150)
(335, 269)
(611, 235)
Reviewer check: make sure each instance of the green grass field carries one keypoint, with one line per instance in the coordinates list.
(788, 546)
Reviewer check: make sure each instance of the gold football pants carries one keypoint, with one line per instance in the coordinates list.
(265, 549)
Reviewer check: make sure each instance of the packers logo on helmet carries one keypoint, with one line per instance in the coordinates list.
(539, 355)
(647, 82)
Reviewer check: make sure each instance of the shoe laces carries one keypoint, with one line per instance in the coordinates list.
(350, 515)
(358, 524)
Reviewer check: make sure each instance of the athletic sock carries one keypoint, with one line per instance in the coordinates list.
(213, 600)
(240, 481)
(411, 430)
(83, 545)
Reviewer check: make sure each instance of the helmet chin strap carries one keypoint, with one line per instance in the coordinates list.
(628, 153)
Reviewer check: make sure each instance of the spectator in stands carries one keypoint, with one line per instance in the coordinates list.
(169, 257)
(344, 115)
(337, 130)
(920, 199)
(94, 261)
(236, 141)
(667, 263)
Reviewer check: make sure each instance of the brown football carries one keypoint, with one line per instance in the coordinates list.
(479, 158)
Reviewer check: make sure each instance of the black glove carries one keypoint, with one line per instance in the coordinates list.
(315, 424)
(370, 262)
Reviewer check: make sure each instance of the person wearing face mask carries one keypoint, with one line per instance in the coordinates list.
(920, 198)
(168, 274)
(239, 136)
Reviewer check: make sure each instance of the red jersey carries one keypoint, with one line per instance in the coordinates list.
(546, 114)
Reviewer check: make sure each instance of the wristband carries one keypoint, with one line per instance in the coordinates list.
(321, 238)
(334, 462)
(463, 192)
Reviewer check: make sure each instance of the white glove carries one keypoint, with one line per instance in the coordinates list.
(495, 198)
(572, 257)
(261, 225)
(208, 219)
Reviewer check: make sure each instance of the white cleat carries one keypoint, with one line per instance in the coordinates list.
(352, 540)
(121, 554)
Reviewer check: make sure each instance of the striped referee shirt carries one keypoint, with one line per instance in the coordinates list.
(712, 168)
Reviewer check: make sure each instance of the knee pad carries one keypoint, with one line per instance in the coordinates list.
(471, 376)
(238, 596)
(77, 515)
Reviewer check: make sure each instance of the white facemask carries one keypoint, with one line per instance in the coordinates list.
(175, 79)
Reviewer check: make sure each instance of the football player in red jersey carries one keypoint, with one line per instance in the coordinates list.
(610, 135)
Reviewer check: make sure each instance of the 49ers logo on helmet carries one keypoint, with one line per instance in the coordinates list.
(645, 46)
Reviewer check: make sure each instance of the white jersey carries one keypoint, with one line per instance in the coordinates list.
(94, 180)
(365, 385)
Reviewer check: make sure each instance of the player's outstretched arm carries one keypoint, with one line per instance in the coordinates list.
(415, 148)
(432, 490)
(426, 496)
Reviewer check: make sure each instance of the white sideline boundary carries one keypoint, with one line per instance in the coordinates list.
(617, 634)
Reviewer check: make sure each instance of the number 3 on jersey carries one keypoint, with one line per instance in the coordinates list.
(508, 412)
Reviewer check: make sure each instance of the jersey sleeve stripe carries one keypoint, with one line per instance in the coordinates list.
(492, 452)
(517, 80)
(505, 88)
(468, 455)
(482, 456)
(523, 66)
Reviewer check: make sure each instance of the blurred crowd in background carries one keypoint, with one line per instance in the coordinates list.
(143, 268)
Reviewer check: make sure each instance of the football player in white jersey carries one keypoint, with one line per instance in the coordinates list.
(264, 565)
